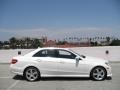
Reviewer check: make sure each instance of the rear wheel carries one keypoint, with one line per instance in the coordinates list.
(98, 73)
(31, 74)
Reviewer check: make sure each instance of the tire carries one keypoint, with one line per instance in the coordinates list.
(31, 74)
(98, 74)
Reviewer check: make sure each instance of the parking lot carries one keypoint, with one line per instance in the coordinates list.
(10, 81)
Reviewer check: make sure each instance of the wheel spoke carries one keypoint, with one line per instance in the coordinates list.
(97, 70)
(27, 73)
(101, 72)
(34, 72)
(95, 74)
(31, 71)
(98, 77)
(31, 74)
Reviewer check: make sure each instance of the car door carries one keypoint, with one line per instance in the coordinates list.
(68, 65)
(47, 62)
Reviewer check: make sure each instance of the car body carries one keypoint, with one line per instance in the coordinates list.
(59, 62)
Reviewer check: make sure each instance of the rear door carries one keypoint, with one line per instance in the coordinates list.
(47, 62)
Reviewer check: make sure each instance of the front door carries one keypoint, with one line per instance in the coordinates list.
(68, 65)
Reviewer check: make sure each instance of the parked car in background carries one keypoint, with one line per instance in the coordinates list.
(59, 62)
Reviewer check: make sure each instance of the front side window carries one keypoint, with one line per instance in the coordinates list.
(66, 54)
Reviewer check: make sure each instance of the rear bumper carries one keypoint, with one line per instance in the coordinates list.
(16, 70)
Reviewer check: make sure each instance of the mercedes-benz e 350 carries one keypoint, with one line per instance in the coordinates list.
(59, 62)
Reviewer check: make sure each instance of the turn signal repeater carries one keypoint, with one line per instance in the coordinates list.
(14, 61)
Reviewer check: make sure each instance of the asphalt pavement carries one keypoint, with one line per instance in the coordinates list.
(10, 81)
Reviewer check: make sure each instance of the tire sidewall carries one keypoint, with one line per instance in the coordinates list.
(91, 74)
(34, 69)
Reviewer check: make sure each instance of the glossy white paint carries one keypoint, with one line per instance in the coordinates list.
(55, 66)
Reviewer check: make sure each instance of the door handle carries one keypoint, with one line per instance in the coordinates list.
(38, 60)
(62, 62)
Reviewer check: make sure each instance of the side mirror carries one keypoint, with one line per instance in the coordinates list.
(78, 58)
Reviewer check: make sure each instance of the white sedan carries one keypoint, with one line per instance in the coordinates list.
(59, 62)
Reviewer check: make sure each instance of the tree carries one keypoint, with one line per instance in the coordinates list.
(115, 43)
(12, 42)
(1, 44)
(36, 43)
(61, 42)
(96, 43)
(27, 42)
(108, 40)
(6, 45)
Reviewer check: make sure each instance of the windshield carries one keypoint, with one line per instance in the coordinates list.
(77, 53)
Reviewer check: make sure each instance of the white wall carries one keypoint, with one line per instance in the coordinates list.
(114, 53)
(6, 55)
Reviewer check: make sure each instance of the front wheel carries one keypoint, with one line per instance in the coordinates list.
(98, 73)
(31, 74)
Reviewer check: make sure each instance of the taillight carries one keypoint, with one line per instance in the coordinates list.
(14, 61)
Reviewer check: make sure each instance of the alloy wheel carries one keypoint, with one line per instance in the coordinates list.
(31, 74)
(98, 73)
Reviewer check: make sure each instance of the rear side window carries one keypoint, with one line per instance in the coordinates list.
(45, 53)
(42, 53)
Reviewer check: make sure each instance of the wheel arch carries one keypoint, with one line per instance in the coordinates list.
(29, 67)
(96, 67)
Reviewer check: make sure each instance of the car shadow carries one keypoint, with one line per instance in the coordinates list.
(63, 79)
(18, 77)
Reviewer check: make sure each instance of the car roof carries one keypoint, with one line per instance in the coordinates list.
(50, 48)
(53, 48)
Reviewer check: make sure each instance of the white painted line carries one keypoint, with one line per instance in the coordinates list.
(9, 88)
(5, 77)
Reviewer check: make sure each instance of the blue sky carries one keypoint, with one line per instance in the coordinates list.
(59, 18)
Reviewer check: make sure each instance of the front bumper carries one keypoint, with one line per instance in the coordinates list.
(109, 71)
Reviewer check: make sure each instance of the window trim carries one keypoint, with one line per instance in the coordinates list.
(47, 55)
(66, 51)
(39, 52)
